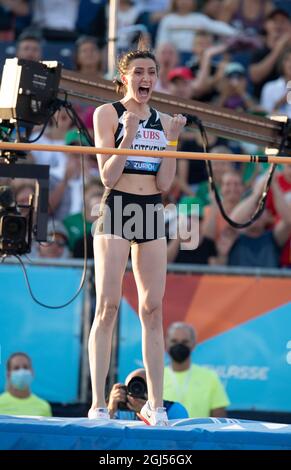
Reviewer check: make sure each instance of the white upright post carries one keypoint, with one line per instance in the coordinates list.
(112, 37)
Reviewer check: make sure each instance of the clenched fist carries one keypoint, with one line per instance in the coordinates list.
(176, 125)
(130, 123)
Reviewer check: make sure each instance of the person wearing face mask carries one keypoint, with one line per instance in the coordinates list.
(197, 388)
(18, 399)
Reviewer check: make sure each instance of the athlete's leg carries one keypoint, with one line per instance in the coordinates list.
(149, 263)
(111, 257)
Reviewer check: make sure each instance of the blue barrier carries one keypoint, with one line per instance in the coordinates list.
(51, 337)
(194, 434)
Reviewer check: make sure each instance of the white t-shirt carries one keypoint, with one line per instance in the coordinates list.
(153, 5)
(56, 160)
(126, 27)
(272, 92)
(179, 30)
(58, 163)
(55, 14)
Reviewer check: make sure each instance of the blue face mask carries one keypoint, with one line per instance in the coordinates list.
(21, 379)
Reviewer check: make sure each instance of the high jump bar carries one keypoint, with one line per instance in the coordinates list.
(8, 146)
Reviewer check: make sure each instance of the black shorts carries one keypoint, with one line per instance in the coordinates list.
(133, 217)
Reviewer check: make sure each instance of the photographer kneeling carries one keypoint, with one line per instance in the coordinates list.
(126, 401)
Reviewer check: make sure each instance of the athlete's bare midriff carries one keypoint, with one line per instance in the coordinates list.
(137, 184)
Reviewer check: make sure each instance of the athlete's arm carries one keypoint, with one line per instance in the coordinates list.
(105, 124)
(167, 170)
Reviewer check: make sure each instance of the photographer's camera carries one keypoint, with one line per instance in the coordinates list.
(136, 388)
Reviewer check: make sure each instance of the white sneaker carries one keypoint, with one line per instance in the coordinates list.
(157, 417)
(98, 413)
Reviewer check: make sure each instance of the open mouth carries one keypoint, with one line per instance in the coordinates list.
(143, 91)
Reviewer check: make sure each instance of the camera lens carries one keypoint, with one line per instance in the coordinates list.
(13, 233)
(14, 227)
(6, 197)
(137, 387)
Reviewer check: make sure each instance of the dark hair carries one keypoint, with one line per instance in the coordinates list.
(84, 40)
(174, 6)
(277, 11)
(9, 360)
(30, 35)
(126, 59)
(26, 184)
(203, 33)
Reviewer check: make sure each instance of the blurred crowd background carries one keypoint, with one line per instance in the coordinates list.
(231, 53)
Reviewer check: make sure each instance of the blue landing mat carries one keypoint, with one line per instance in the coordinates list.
(188, 434)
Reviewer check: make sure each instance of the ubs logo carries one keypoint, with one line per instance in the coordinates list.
(152, 135)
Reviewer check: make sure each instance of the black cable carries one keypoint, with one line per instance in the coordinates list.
(262, 201)
(55, 106)
(82, 130)
(41, 132)
(54, 307)
(52, 218)
(84, 215)
(78, 121)
(18, 131)
(84, 212)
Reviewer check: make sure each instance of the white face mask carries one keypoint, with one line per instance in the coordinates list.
(21, 379)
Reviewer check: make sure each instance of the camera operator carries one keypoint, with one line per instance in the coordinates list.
(126, 401)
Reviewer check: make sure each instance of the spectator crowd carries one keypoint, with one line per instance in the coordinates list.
(231, 53)
(234, 54)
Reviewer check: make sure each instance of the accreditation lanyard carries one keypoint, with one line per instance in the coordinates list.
(181, 389)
